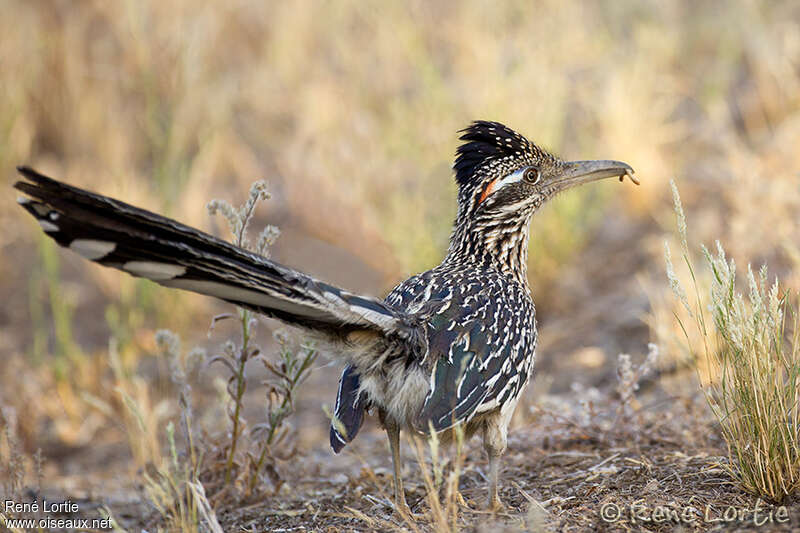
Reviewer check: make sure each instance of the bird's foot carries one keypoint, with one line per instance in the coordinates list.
(496, 505)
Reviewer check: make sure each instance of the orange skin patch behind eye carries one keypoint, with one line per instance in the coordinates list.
(487, 191)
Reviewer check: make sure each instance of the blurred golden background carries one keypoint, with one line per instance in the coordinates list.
(350, 111)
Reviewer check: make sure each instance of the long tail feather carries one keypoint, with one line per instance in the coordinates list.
(144, 244)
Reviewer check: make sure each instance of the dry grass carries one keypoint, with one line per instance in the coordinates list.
(750, 366)
(349, 110)
(203, 468)
(18, 471)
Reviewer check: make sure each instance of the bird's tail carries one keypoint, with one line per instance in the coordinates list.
(144, 244)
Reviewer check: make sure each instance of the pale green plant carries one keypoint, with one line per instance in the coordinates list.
(172, 484)
(169, 490)
(177, 485)
(142, 415)
(235, 357)
(752, 365)
(629, 377)
(284, 376)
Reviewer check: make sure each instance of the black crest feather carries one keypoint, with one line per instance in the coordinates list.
(486, 140)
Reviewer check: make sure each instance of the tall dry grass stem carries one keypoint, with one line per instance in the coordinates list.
(750, 361)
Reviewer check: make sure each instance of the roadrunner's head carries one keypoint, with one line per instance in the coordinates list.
(502, 174)
(502, 179)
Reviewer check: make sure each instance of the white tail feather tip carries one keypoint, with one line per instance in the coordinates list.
(47, 226)
(153, 270)
(89, 248)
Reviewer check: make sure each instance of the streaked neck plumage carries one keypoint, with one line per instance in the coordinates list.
(489, 239)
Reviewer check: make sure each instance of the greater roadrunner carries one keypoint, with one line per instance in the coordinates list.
(453, 346)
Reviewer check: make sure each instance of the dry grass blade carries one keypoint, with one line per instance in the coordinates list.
(204, 507)
(753, 369)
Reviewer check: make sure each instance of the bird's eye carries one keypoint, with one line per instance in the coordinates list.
(532, 175)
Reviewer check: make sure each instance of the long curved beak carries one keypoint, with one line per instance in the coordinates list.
(579, 172)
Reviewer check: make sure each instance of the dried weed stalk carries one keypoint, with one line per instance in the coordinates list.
(628, 379)
(172, 486)
(142, 416)
(445, 508)
(599, 414)
(200, 473)
(753, 373)
(14, 465)
(285, 376)
(234, 357)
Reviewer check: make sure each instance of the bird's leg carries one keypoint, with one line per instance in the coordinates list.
(494, 466)
(494, 442)
(393, 431)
